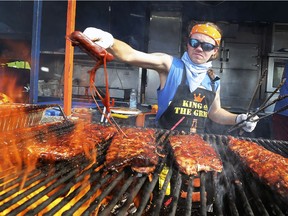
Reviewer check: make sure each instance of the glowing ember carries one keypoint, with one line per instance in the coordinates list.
(5, 99)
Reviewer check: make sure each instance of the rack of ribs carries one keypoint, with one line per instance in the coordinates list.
(193, 154)
(51, 146)
(83, 139)
(269, 167)
(137, 149)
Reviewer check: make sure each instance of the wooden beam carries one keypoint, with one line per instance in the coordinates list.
(69, 57)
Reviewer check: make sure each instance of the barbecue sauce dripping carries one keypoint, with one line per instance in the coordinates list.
(94, 91)
(101, 56)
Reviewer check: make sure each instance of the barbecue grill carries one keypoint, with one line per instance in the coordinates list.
(80, 186)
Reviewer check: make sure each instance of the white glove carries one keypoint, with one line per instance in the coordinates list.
(100, 37)
(249, 125)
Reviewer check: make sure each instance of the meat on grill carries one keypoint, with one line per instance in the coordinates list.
(270, 167)
(137, 149)
(81, 140)
(192, 154)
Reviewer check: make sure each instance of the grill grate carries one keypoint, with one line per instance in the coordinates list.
(90, 189)
(19, 116)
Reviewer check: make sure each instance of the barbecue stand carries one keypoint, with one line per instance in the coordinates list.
(80, 186)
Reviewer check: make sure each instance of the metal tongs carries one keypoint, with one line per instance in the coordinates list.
(105, 114)
(261, 108)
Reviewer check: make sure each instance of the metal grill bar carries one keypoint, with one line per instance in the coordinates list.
(17, 188)
(258, 203)
(176, 192)
(113, 202)
(8, 173)
(203, 200)
(61, 192)
(264, 206)
(133, 192)
(97, 201)
(71, 195)
(235, 191)
(189, 196)
(92, 191)
(237, 184)
(44, 192)
(42, 132)
(218, 195)
(270, 204)
(241, 173)
(149, 188)
(228, 196)
(159, 201)
(279, 148)
(242, 196)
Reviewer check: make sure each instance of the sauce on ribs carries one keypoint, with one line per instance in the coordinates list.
(137, 149)
(192, 154)
(270, 167)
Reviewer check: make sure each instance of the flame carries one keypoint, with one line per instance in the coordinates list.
(15, 59)
(5, 99)
(20, 157)
(83, 185)
(11, 90)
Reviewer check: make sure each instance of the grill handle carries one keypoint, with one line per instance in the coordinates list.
(62, 112)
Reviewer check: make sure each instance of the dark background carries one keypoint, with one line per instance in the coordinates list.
(127, 20)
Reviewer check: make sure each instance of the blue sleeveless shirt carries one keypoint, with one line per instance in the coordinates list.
(174, 78)
(283, 91)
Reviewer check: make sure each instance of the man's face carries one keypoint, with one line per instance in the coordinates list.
(198, 55)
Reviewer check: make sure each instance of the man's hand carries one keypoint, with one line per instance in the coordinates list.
(100, 37)
(249, 125)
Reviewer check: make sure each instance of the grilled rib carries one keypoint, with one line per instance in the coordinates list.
(83, 139)
(53, 147)
(270, 167)
(137, 149)
(193, 154)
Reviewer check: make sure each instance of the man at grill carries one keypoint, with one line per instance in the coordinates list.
(189, 91)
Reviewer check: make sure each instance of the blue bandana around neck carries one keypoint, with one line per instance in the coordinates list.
(195, 72)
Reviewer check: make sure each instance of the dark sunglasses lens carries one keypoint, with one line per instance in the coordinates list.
(207, 46)
(194, 43)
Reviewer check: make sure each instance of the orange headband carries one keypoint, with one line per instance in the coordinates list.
(207, 30)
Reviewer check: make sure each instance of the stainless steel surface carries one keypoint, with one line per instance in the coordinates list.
(164, 36)
(240, 56)
(279, 37)
(239, 74)
(237, 87)
(275, 70)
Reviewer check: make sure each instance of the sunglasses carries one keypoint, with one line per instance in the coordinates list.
(204, 45)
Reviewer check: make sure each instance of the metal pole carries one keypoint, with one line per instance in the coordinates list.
(35, 51)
